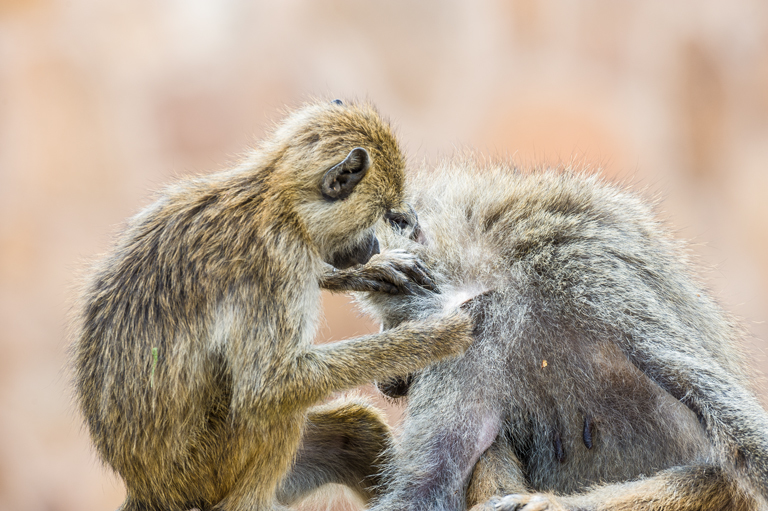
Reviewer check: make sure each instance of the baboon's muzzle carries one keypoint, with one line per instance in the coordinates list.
(359, 254)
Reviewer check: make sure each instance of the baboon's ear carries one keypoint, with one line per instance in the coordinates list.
(341, 179)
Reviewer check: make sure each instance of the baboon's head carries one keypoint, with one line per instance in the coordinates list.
(341, 170)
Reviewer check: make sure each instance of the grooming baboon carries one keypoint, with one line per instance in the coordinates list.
(602, 377)
(194, 361)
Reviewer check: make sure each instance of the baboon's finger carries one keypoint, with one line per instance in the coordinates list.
(508, 503)
(421, 275)
(382, 286)
(407, 288)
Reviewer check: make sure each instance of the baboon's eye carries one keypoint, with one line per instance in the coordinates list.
(397, 220)
(337, 102)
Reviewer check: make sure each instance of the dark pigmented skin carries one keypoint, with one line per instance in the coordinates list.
(588, 429)
(358, 254)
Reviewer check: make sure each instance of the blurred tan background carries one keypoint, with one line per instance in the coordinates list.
(103, 101)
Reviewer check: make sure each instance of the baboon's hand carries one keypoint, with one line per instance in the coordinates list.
(402, 271)
(524, 502)
(392, 271)
(486, 506)
(452, 333)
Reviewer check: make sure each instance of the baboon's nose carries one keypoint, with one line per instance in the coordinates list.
(373, 249)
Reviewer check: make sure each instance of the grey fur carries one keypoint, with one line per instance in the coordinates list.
(603, 375)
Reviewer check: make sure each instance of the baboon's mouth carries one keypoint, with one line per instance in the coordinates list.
(359, 254)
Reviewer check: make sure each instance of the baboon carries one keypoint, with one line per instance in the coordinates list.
(602, 377)
(194, 364)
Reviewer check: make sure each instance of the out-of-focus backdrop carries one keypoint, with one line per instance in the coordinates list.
(103, 101)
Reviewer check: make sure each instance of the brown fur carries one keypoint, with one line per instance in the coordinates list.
(343, 443)
(603, 376)
(194, 364)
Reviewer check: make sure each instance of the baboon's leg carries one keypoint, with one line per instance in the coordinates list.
(688, 488)
(343, 443)
(497, 472)
(449, 425)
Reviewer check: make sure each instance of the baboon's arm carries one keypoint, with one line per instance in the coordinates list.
(688, 488)
(343, 444)
(393, 271)
(402, 350)
(294, 380)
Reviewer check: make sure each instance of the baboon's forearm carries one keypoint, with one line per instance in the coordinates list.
(399, 351)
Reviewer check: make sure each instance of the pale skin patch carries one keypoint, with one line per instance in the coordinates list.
(460, 296)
